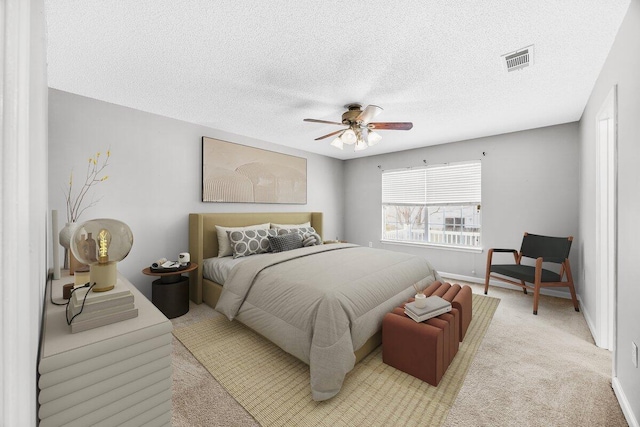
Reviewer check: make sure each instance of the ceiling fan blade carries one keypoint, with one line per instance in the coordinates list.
(330, 134)
(368, 114)
(322, 121)
(391, 126)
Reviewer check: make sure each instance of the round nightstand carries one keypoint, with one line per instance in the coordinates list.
(170, 293)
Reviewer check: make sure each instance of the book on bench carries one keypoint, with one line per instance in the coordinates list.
(435, 307)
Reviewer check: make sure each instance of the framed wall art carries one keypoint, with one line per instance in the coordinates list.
(234, 173)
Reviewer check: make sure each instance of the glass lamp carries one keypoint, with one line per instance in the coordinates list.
(101, 243)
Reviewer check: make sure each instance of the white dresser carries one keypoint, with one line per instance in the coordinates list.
(114, 375)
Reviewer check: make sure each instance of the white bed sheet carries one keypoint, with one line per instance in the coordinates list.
(218, 268)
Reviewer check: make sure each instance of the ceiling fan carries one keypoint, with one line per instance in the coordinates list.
(360, 129)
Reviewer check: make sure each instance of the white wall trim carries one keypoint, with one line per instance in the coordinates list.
(624, 403)
(606, 208)
(587, 317)
(23, 192)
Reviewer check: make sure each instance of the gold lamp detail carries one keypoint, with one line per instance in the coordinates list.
(104, 240)
(114, 242)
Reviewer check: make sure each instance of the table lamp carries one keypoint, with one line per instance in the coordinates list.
(101, 243)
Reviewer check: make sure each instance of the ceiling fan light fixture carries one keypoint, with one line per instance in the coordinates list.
(373, 138)
(360, 145)
(359, 128)
(349, 137)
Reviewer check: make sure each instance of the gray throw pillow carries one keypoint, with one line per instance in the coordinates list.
(250, 242)
(285, 242)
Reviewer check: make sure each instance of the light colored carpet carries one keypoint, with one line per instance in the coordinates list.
(542, 370)
(503, 386)
(274, 386)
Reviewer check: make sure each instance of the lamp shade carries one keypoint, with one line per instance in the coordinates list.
(106, 239)
(360, 145)
(349, 137)
(373, 138)
(101, 243)
(337, 143)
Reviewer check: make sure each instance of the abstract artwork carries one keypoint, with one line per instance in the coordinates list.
(234, 173)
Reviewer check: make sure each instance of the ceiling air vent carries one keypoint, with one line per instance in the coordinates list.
(519, 59)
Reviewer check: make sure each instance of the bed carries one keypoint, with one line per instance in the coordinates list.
(323, 304)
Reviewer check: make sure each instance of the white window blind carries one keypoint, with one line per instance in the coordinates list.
(404, 187)
(458, 183)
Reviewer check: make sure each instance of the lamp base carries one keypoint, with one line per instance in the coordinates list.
(104, 276)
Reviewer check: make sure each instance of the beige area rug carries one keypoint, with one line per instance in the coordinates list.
(273, 386)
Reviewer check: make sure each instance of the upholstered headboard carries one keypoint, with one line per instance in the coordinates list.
(203, 240)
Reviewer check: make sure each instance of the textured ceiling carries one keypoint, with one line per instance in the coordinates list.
(258, 68)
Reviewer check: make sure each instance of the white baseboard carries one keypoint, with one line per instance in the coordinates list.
(499, 284)
(590, 324)
(624, 403)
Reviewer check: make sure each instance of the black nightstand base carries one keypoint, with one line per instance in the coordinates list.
(172, 299)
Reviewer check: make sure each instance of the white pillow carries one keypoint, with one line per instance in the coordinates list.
(290, 226)
(224, 245)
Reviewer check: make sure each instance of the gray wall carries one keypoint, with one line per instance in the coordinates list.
(621, 68)
(529, 183)
(155, 175)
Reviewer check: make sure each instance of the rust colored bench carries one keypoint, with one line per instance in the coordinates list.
(426, 349)
(460, 299)
(414, 348)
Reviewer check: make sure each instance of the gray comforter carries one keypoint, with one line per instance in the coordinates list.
(322, 303)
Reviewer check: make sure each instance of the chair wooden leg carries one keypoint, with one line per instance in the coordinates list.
(537, 283)
(523, 288)
(567, 270)
(488, 271)
(536, 299)
(573, 297)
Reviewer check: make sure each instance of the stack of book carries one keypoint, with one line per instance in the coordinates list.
(435, 307)
(100, 308)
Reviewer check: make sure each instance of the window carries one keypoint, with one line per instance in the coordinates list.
(433, 205)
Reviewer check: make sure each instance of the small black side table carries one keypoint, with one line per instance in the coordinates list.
(170, 293)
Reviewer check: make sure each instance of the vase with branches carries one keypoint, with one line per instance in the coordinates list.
(78, 202)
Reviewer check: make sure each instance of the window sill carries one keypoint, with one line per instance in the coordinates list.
(432, 246)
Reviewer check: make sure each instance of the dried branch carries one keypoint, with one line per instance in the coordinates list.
(75, 206)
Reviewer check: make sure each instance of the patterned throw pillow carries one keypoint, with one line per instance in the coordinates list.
(250, 242)
(301, 231)
(224, 245)
(285, 242)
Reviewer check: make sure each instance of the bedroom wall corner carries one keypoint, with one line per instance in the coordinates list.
(155, 175)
